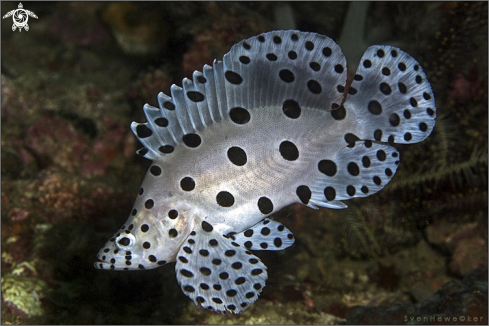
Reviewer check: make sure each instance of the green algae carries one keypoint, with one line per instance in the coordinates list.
(22, 291)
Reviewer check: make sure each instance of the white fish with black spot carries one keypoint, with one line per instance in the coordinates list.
(256, 132)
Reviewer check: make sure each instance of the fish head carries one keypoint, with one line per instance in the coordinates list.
(146, 240)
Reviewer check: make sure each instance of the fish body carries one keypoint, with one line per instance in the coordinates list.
(266, 127)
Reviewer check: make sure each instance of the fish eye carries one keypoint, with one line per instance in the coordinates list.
(125, 241)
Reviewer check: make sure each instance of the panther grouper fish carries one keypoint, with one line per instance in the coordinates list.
(265, 127)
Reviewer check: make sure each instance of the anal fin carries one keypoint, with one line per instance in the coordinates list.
(357, 171)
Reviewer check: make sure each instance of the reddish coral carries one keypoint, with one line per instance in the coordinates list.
(66, 200)
(10, 308)
(293, 293)
(105, 148)
(469, 254)
(212, 43)
(147, 88)
(466, 243)
(467, 86)
(24, 155)
(18, 214)
(79, 26)
(58, 198)
(56, 141)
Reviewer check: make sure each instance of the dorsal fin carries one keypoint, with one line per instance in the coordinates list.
(255, 74)
(260, 70)
(189, 110)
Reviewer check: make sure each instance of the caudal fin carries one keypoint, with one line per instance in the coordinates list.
(391, 97)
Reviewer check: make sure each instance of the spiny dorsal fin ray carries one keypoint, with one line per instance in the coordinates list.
(190, 109)
(155, 135)
(184, 126)
(358, 171)
(218, 273)
(256, 73)
(392, 97)
(211, 97)
(195, 108)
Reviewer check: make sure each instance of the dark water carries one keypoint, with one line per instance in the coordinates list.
(75, 80)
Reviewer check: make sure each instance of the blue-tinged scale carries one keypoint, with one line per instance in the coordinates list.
(262, 129)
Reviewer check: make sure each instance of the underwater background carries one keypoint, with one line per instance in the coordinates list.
(72, 84)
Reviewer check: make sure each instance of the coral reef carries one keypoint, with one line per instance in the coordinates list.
(218, 33)
(456, 302)
(72, 84)
(22, 293)
(139, 28)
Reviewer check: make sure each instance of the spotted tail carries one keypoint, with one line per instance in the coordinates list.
(392, 101)
(392, 97)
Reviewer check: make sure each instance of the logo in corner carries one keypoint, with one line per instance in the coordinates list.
(20, 16)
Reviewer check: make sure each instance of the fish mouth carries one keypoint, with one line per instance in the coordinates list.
(109, 260)
(102, 265)
(122, 260)
(102, 261)
(104, 256)
(113, 263)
